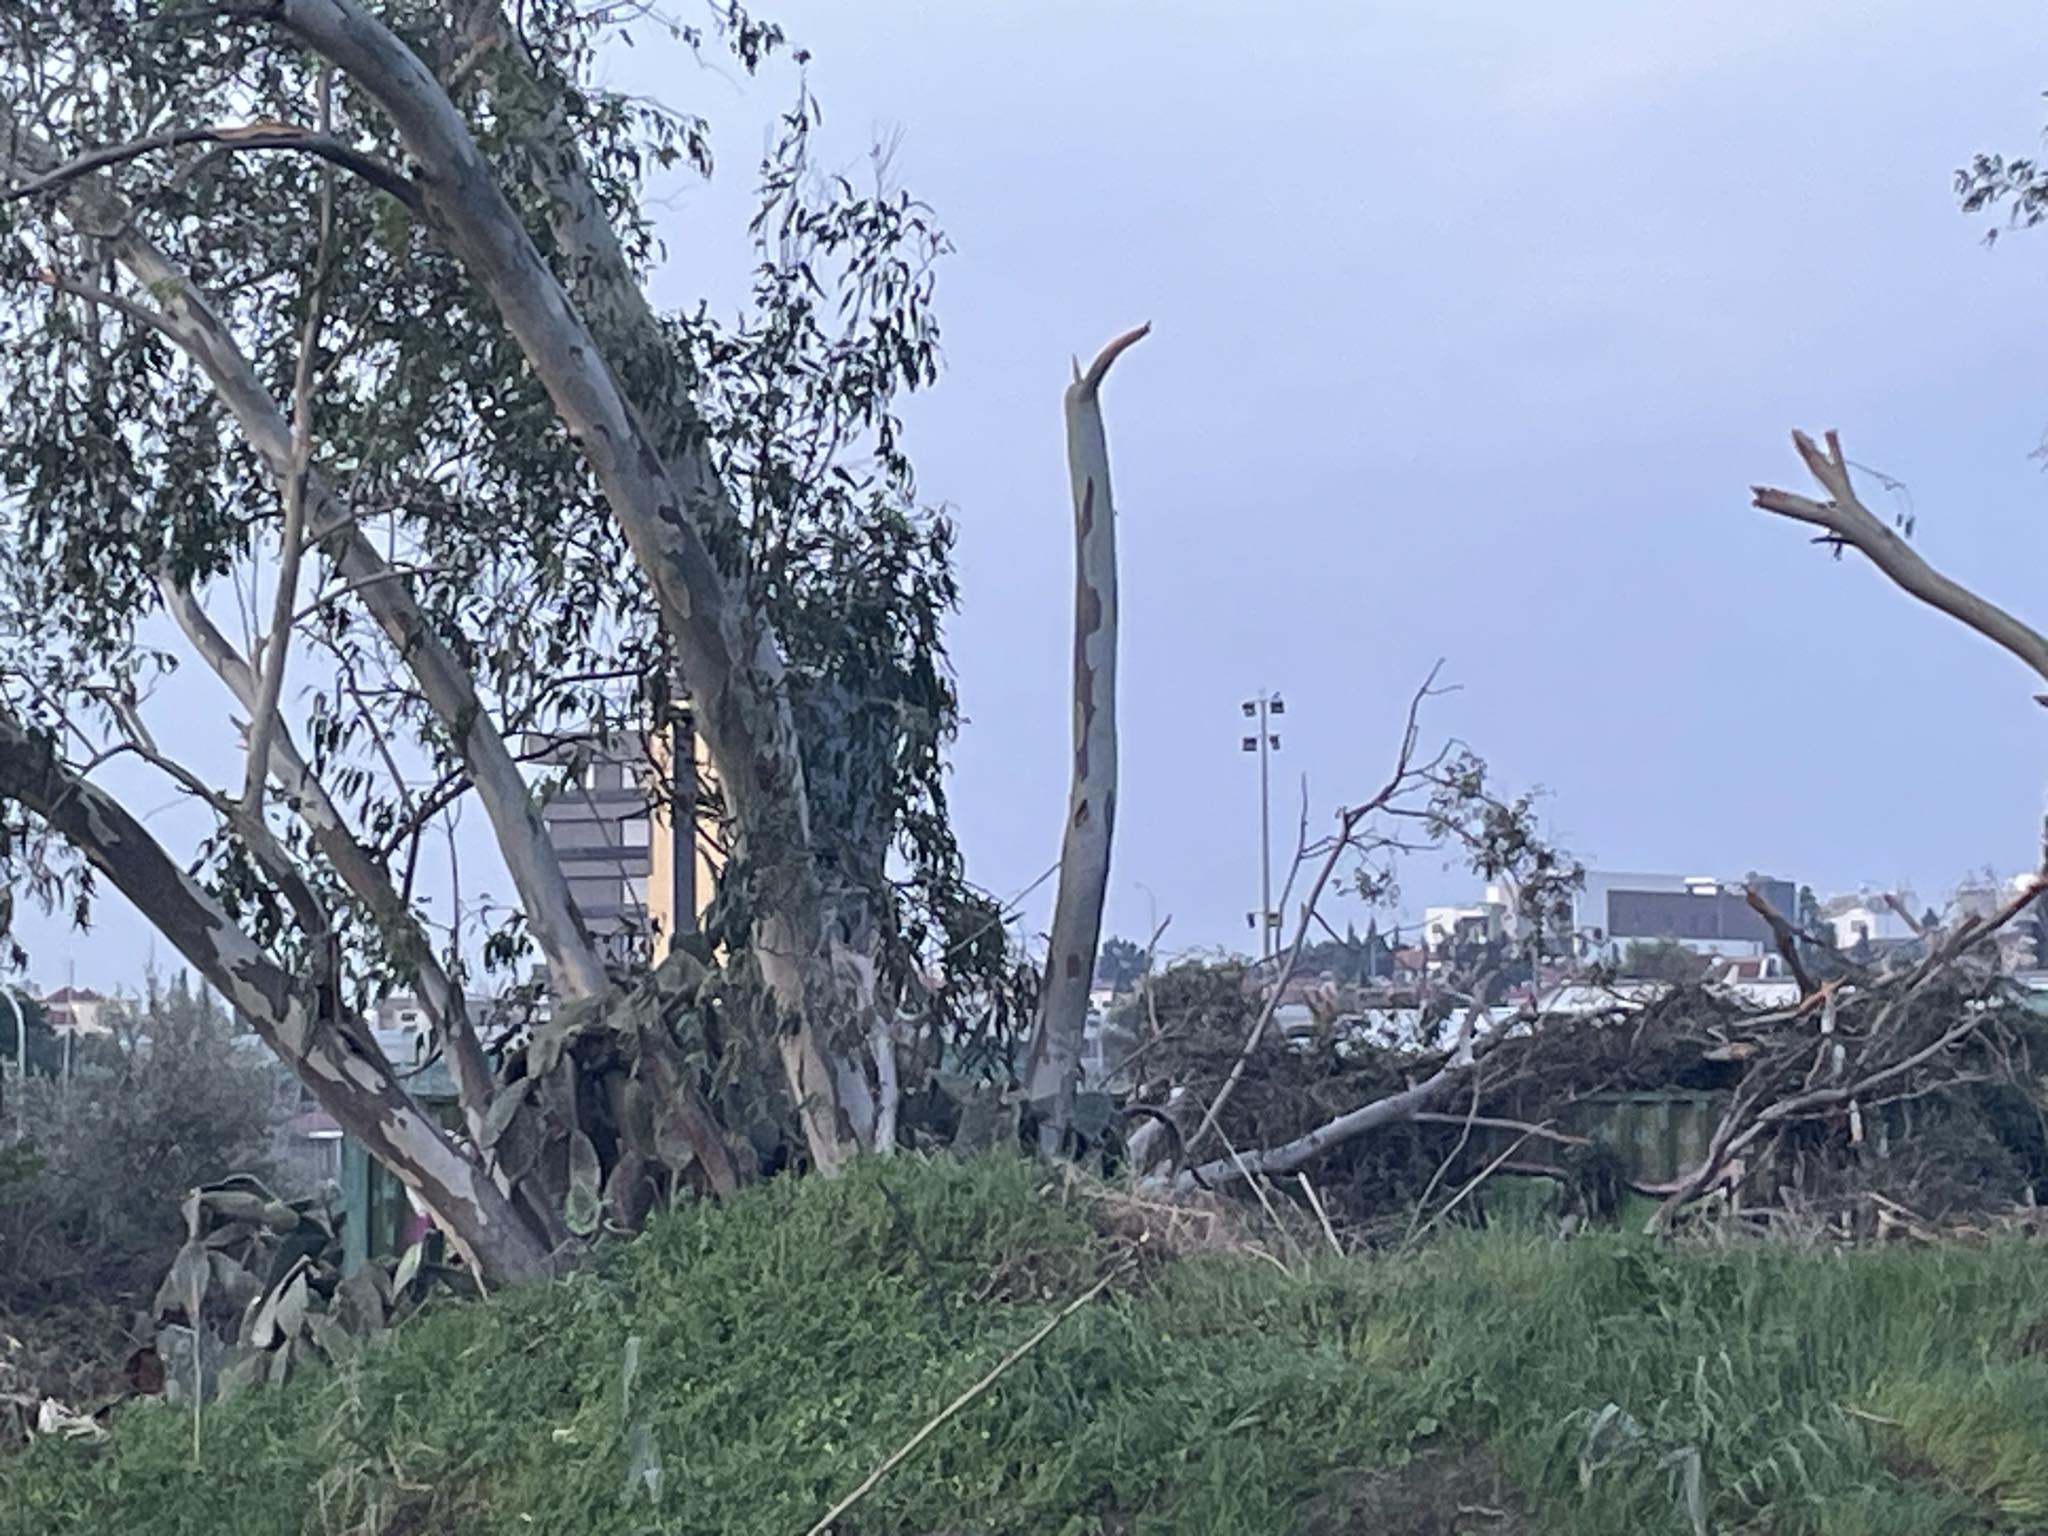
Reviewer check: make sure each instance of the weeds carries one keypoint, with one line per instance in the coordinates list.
(789, 1340)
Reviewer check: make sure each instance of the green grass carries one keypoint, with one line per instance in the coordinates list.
(790, 1339)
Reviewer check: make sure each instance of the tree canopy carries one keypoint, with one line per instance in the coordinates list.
(324, 338)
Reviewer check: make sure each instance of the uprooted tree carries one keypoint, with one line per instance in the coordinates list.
(334, 312)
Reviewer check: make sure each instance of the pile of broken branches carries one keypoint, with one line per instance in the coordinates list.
(1916, 1088)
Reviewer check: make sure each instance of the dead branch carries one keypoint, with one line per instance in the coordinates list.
(1918, 928)
(1783, 935)
(1845, 520)
(1349, 820)
(1393, 1109)
(1777, 1090)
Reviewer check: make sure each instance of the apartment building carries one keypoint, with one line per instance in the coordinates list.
(639, 847)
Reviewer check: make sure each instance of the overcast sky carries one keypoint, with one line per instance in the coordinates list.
(1473, 325)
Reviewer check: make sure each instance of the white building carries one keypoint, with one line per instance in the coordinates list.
(1491, 917)
(1868, 916)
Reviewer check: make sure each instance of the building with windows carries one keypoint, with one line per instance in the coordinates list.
(1707, 915)
(638, 844)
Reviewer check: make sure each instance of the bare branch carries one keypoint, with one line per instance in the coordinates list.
(292, 539)
(1846, 520)
(1348, 822)
(1394, 1109)
(261, 135)
(1091, 381)
(1753, 1111)
(1782, 934)
(1913, 924)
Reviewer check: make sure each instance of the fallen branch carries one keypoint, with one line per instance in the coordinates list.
(1394, 1109)
(1348, 821)
(1783, 935)
(1752, 1113)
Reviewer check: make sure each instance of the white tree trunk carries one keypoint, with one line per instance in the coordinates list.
(186, 318)
(332, 1056)
(1055, 1061)
(729, 657)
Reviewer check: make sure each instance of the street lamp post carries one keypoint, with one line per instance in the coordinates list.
(1265, 743)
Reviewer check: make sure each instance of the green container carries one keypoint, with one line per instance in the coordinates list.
(374, 1209)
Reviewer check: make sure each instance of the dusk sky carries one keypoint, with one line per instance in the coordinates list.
(1473, 324)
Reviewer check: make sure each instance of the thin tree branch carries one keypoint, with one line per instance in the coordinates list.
(358, 868)
(1348, 822)
(261, 135)
(292, 539)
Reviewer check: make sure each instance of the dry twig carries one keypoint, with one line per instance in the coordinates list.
(938, 1420)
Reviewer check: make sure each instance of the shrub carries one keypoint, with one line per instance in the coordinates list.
(101, 1156)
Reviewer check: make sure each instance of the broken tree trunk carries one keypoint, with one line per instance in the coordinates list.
(1055, 1061)
(1844, 520)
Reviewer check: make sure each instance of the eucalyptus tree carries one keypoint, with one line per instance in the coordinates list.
(334, 312)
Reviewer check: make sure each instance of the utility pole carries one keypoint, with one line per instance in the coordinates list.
(1265, 743)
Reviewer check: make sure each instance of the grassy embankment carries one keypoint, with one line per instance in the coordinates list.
(786, 1342)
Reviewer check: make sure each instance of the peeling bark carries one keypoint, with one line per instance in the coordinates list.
(729, 657)
(186, 318)
(1055, 1062)
(334, 1057)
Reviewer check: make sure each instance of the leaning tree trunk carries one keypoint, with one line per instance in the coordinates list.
(333, 1056)
(1055, 1061)
(728, 651)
